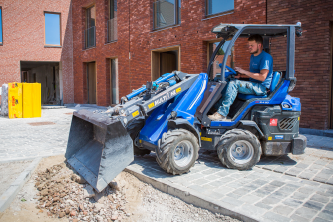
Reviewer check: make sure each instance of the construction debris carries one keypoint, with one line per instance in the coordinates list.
(62, 193)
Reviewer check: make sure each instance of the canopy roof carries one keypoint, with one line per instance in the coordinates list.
(270, 30)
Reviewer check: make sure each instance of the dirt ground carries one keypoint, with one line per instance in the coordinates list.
(10, 171)
(135, 200)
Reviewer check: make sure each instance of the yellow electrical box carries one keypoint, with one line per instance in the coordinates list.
(32, 106)
(27, 100)
(37, 100)
(15, 100)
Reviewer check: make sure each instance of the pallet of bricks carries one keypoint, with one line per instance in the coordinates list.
(21, 100)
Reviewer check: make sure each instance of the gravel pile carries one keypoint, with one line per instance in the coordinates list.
(62, 193)
(163, 207)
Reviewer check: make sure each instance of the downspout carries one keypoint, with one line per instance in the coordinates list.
(129, 44)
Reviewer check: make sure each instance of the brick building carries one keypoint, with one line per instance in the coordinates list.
(36, 46)
(118, 45)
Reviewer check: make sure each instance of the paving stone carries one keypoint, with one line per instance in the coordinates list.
(306, 212)
(200, 181)
(242, 191)
(319, 198)
(275, 217)
(330, 181)
(283, 210)
(305, 175)
(280, 169)
(292, 202)
(233, 195)
(215, 195)
(271, 200)
(313, 205)
(250, 198)
(327, 215)
(299, 196)
(253, 210)
(278, 195)
(298, 218)
(302, 165)
(264, 206)
(261, 193)
(293, 172)
(251, 186)
(277, 183)
(329, 207)
(318, 219)
(260, 182)
(224, 189)
(306, 190)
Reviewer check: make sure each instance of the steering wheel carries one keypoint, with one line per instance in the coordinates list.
(231, 70)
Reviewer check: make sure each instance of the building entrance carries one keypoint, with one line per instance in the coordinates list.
(46, 73)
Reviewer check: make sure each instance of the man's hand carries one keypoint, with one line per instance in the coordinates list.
(241, 73)
(240, 70)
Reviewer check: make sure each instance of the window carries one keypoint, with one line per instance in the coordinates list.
(52, 29)
(0, 25)
(90, 37)
(218, 6)
(166, 13)
(112, 22)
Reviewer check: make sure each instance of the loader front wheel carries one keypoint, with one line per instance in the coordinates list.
(177, 151)
(133, 129)
(239, 149)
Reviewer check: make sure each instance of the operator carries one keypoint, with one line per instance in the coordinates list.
(260, 77)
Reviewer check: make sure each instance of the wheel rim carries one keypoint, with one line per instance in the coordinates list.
(183, 153)
(241, 151)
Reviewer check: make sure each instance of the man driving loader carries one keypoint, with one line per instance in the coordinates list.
(260, 77)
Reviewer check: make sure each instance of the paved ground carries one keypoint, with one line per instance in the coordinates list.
(284, 188)
(33, 137)
(9, 171)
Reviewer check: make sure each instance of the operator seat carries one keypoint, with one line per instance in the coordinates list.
(275, 80)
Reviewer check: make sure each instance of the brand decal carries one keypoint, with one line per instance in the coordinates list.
(269, 138)
(165, 98)
(136, 113)
(278, 137)
(273, 122)
(206, 139)
(151, 105)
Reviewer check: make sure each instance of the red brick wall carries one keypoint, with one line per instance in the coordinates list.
(313, 55)
(136, 36)
(23, 39)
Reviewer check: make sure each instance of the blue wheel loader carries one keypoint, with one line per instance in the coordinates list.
(169, 117)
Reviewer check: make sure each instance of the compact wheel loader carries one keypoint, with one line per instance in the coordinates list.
(169, 117)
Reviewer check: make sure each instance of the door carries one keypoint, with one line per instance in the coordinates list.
(164, 60)
(91, 80)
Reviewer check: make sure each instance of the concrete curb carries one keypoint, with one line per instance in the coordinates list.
(54, 107)
(327, 133)
(31, 158)
(8, 196)
(193, 197)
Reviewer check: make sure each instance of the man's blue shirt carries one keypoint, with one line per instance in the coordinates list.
(262, 61)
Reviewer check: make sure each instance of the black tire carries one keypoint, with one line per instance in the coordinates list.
(133, 129)
(246, 156)
(166, 153)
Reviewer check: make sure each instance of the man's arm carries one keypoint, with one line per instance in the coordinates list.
(258, 76)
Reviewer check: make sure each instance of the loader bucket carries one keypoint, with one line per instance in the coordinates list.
(99, 148)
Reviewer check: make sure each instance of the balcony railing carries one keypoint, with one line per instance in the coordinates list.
(90, 37)
(166, 13)
(112, 30)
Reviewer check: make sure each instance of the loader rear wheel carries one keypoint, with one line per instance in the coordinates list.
(239, 149)
(178, 151)
(133, 129)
